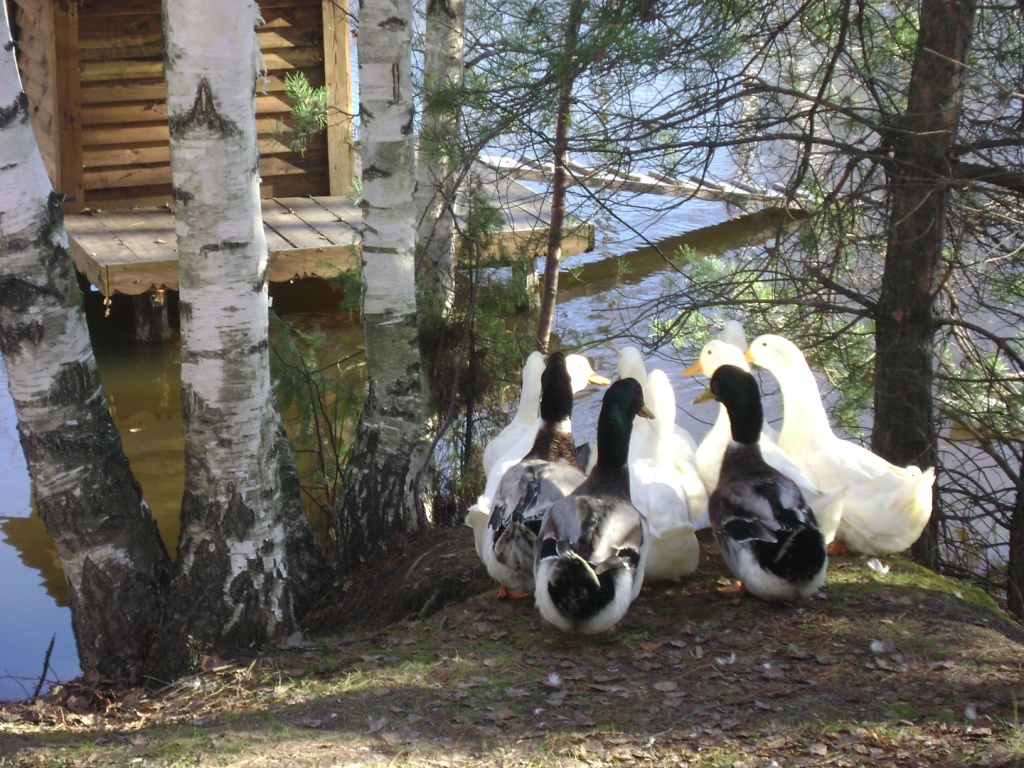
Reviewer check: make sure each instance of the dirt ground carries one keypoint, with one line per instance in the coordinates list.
(415, 663)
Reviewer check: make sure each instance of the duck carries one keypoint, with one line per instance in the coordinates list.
(662, 453)
(632, 366)
(592, 549)
(548, 472)
(765, 531)
(827, 506)
(513, 443)
(669, 493)
(886, 506)
(733, 332)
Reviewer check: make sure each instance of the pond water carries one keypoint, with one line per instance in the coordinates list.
(598, 299)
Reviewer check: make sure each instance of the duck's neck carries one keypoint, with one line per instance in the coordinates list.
(738, 460)
(554, 442)
(529, 404)
(609, 480)
(745, 419)
(801, 403)
(721, 429)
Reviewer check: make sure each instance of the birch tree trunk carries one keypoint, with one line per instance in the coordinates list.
(904, 430)
(385, 476)
(246, 556)
(438, 155)
(113, 559)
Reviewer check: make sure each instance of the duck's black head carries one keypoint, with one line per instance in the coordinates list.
(555, 390)
(737, 390)
(622, 402)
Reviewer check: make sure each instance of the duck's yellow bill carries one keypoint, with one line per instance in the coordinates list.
(694, 369)
(597, 378)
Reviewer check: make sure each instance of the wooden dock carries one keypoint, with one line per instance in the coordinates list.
(133, 251)
(651, 182)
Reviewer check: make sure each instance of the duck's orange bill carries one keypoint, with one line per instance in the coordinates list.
(694, 369)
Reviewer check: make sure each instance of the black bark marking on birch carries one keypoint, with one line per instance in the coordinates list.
(10, 45)
(185, 310)
(202, 116)
(439, 7)
(224, 245)
(393, 24)
(373, 173)
(13, 244)
(55, 255)
(74, 383)
(18, 295)
(17, 109)
(12, 336)
(190, 403)
(181, 196)
(260, 347)
(408, 127)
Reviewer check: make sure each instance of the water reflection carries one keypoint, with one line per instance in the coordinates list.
(33, 601)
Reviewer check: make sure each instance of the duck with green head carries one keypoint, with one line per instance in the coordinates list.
(592, 548)
(765, 531)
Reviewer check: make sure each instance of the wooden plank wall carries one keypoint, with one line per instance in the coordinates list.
(32, 28)
(124, 157)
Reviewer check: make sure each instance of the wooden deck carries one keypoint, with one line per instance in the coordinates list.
(134, 251)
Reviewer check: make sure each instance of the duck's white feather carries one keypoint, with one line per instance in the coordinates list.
(524, 422)
(666, 488)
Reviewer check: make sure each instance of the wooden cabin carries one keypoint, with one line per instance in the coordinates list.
(93, 72)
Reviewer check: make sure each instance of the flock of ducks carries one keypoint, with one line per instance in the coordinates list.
(580, 529)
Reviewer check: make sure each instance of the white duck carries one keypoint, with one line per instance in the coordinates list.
(886, 506)
(592, 549)
(827, 506)
(765, 531)
(548, 472)
(672, 498)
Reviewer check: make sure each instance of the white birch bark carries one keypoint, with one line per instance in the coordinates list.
(437, 160)
(113, 559)
(385, 488)
(234, 581)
